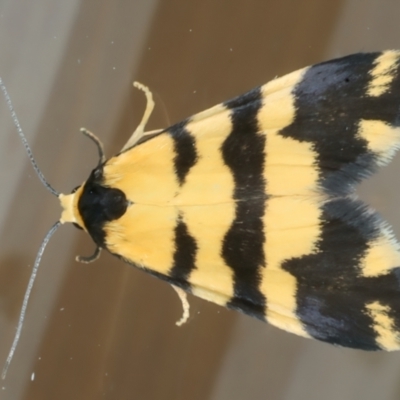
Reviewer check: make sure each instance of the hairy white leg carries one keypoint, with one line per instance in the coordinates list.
(185, 305)
(139, 132)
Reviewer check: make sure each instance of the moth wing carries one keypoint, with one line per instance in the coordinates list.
(249, 204)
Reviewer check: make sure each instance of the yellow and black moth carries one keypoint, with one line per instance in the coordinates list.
(251, 205)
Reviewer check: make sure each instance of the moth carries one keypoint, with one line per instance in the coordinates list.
(250, 204)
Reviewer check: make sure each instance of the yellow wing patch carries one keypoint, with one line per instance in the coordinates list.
(383, 73)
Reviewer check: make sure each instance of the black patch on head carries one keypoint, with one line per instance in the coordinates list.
(185, 150)
(330, 101)
(184, 255)
(99, 204)
(242, 249)
(332, 294)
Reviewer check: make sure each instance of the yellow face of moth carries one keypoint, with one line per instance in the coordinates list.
(251, 203)
(69, 204)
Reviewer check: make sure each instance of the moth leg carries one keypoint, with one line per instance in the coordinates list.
(89, 259)
(152, 132)
(97, 142)
(139, 132)
(185, 305)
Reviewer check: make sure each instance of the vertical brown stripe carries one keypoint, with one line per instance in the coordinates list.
(184, 255)
(185, 150)
(242, 249)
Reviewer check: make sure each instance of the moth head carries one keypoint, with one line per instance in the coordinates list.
(70, 202)
(70, 210)
(108, 204)
(70, 213)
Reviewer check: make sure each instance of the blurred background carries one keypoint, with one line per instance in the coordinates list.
(106, 330)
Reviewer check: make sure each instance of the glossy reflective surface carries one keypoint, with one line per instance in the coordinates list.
(106, 330)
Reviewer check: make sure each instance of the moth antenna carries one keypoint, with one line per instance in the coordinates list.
(25, 142)
(26, 297)
(98, 143)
